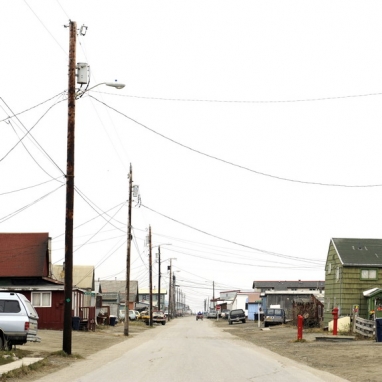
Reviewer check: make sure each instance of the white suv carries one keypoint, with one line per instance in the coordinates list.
(18, 320)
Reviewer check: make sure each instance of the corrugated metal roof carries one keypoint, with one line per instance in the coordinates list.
(359, 252)
(24, 254)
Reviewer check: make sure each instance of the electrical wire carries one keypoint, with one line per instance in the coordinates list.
(66, 54)
(96, 233)
(9, 216)
(29, 134)
(90, 203)
(29, 187)
(226, 240)
(234, 164)
(30, 154)
(242, 101)
(33, 107)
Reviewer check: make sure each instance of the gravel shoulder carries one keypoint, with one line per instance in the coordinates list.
(355, 361)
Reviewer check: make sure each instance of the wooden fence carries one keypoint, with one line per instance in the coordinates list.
(364, 327)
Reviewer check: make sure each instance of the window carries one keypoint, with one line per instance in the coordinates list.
(42, 299)
(367, 274)
(9, 306)
(337, 273)
(329, 268)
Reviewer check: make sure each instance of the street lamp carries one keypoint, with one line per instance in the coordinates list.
(72, 95)
(116, 85)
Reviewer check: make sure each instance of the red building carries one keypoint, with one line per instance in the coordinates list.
(25, 267)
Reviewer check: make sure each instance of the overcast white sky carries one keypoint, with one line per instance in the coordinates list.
(247, 124)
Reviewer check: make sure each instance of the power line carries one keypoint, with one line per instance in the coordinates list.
(31, 108)
(242, 101)
(28, 132)
(30, 154)
(226, 240)
(231, 163)
(29, 187)
(66, 54)
(9, 216)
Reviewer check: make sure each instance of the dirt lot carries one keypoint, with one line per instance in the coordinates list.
(83, 344)
(357, 360)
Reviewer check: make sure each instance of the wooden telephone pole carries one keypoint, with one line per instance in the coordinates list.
(68, 288)
(126, 323)
(151, 279)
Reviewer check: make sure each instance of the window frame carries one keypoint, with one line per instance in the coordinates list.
(41, 299)
(368, 270)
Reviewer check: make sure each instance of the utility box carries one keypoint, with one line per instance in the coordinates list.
(82, 73)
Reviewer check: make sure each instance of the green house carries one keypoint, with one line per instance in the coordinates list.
(353, 266)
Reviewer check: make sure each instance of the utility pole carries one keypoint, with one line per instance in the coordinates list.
(159, 277)
(151, 279)
(173, 295)
(126, 323)
(213, 293)
(169, 294)
(68, 287)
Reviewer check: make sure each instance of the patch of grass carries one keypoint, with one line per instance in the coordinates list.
(24, 370)
(61, 353)
(8, 356)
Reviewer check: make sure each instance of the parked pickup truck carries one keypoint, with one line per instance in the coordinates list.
(18, 320)
(236, 315)
(158, 317)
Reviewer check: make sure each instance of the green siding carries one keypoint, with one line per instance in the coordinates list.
(348, 289)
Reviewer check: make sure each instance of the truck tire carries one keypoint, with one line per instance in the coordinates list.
(230, 322)
(163, 322)
(4, 344)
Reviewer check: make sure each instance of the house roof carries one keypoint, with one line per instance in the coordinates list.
(24, 254)
(83, 275)
(359, 252)
(285, 284)
(119, 286)
(154, 291)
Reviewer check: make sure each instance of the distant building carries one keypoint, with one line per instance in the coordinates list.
(144, 297)
(299, 285)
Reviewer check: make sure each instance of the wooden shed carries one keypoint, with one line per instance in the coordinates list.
(311, 308)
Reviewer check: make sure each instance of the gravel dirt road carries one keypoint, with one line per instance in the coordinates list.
(355, 361)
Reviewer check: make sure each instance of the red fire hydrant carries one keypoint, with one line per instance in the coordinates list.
(300, 324)
(335, 319)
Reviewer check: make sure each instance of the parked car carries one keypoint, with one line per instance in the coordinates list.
(132, 315)
(236, 315)
(225, 313)
(274, 316)
(18, 320)
(212, 314)
(137, 314)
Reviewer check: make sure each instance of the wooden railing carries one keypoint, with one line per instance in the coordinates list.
(364, 327)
